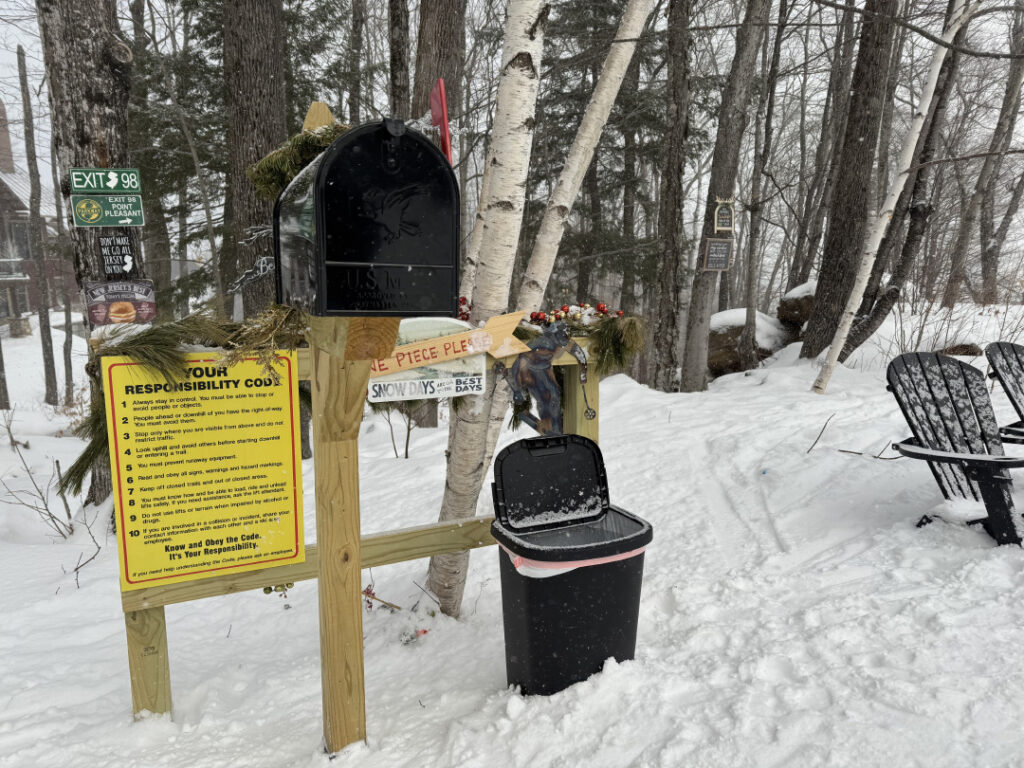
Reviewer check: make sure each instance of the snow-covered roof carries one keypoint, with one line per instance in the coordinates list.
(18, 183)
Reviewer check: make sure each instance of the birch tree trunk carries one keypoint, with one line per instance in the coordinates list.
(731, 123)
(581, 153)
(881, 184)
(508, 161)
(960, 16)
(471, 258)
(37, 236)
(673, 291)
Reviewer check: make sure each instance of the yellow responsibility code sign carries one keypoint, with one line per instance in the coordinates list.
(207, 470)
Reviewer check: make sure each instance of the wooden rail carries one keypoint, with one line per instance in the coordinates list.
(376, 549)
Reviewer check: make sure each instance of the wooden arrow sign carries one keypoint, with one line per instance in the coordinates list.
(495, 338)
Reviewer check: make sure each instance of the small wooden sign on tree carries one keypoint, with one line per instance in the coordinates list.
(718, 254)
(725, 219)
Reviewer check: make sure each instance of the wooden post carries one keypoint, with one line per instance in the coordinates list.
(574, 404)
(341, 351)
(148, 667)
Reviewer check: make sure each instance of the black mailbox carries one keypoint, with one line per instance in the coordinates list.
(371, 228)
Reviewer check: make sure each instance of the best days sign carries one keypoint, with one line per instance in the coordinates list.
(432, 362)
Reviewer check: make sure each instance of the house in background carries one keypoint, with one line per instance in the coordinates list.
(18, 295)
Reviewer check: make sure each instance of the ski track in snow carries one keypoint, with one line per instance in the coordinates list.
(792, 615)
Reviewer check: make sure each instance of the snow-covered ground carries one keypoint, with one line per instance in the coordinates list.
(792, 615)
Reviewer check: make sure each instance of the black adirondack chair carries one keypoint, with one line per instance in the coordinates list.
(1007, 361)
(947, 406)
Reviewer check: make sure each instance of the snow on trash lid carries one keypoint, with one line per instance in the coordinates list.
(549, 482)
(615, 532)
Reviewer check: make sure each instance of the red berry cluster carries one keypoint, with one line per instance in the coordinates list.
(464, 308)
(572, 312)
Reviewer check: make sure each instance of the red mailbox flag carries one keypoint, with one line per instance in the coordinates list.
(439, 117)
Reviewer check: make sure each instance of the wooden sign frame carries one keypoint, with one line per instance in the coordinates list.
(721, 223)
(707, 253)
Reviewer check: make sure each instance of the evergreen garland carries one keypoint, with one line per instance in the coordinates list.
(163, 348)
(614, 341)
(274, 172)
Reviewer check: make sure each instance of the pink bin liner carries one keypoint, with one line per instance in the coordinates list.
(544, 569)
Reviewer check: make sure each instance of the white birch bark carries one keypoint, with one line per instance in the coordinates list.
(542, 260)
(961, 15)
(511, 144)
(472, 256)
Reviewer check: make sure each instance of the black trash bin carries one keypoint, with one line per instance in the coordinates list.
(571, 563)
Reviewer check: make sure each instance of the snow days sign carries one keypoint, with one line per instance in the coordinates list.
(207, 470)
(440, 357)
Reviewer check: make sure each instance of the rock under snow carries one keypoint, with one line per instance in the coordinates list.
(795, 307)
(726, 327)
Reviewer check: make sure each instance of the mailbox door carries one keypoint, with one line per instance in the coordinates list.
(387, 225)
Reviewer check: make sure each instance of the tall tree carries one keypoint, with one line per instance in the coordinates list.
(66, 291)
(88, 72)
(153, 167)
(818, 192)
(721, 185)
(848, 208)
(993, 236)
(959, 15)
(630, 184)
(997, 146)
(254, 95)
(440, 52)
(398, 43)
(353, 66)
(37, 235)
(763, 138)
(915, 204)
(673, 298)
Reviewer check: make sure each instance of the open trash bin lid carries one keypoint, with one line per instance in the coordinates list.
(551, 503)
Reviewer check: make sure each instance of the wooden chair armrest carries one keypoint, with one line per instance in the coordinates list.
(912, 449)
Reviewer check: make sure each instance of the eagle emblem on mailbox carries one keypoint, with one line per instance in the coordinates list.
(387, 209)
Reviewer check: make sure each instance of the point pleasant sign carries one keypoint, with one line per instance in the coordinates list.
(429, 363)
